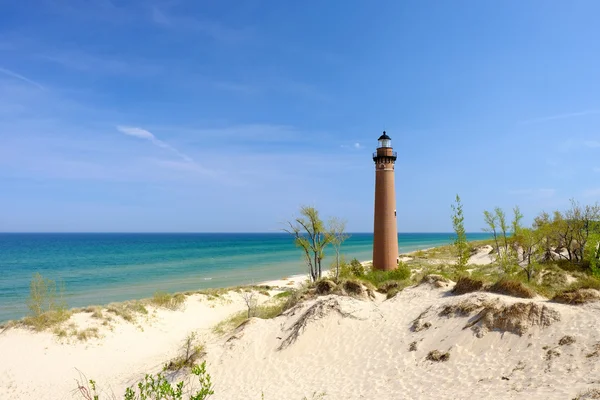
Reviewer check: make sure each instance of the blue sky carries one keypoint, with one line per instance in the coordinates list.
(228, 115)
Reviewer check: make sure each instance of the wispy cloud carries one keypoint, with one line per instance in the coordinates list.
(592, 143)
(210, 28)
(560, 116)
(21, 77)
(146, 135)
(356, 146)
(597, 169)
(80, 61)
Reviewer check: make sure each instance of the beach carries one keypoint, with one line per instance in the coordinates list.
(366, 346)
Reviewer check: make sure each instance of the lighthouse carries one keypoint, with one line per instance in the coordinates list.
(385, 231)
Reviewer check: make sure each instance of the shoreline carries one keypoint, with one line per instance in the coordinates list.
(135, 266)
(286, 282)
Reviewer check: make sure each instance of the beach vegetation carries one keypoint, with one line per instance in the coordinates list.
(191, 351)
(310, 234)
(128, 310)
(87, 334)
(251, 301)
(376, 277)
(167, 300)
(511, 287)
(46, 303)
(156, 387)
(466, 284)
(268, 310)
(337, 235)
(460, 242)
(284, 294)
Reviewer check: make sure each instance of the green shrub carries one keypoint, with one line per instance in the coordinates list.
(377, 277)
(46, 304)
(354, 269)
(157, 387)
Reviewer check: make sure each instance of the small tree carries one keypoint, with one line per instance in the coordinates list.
(516, 227)
(251, 301)
(310, 235)
(503, 228)
(337, 236)
(460, 242)
(530, 241)
(491, 221)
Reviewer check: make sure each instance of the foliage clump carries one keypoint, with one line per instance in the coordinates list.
(461, 245)
(191, 351)
(167, 300)
(47, 307)
(157, 387)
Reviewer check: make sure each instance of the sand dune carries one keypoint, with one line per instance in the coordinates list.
(341, 346)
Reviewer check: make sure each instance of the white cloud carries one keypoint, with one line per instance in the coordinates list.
(146, 135)
(137, 132)
(21, 77)
(357, 146)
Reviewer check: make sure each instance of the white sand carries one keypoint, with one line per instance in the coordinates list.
(482, 256)
(363, 355)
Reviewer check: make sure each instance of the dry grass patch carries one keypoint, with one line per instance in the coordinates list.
(167, 300)
(324, 287)
(577, 296)
(466, 284)
(464, 307)
(190, 351)
(87, 334)
(437, 356)
(47, 320)
(516, 318)
(264, 311)
(589, 394)
(566, 340)
(513, 288)
(127, 310)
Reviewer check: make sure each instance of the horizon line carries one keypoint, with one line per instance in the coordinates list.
(185, 233)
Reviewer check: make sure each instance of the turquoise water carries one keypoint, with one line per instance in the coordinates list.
(102, 268)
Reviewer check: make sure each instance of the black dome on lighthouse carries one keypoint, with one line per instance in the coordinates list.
(384, 137)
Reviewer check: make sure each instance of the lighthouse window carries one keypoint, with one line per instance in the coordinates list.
(385, 143)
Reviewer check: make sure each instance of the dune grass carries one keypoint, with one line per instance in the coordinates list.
(167, 300)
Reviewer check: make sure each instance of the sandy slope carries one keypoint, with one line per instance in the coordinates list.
(348, 348)
(367, 356)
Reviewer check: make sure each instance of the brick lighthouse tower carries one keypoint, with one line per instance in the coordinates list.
(385, 232)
